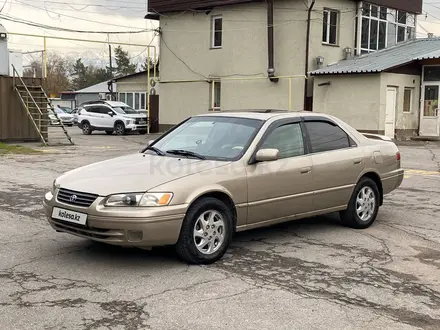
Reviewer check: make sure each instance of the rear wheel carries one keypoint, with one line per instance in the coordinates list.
(86, 128)
(206, 232)
(120, 129)
(109, 132)
(364, 205)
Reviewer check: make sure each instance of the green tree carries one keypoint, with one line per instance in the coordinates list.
(80, 75)
(123, 64)
(152, 62)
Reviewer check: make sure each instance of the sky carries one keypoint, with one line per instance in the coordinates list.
(111, 15)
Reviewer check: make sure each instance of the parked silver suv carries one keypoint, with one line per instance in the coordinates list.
(111, 116)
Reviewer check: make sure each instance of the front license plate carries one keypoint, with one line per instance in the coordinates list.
(69, 216)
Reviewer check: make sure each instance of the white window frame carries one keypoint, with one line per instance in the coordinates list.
(410, 99)
(392, 18)
(213, 94)
(328, 23)
(213, 20)
(134, 102)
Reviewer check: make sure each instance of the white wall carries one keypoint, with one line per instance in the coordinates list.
(354, 99)
(243, 54)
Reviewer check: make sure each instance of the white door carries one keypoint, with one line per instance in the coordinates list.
(429, 125)
(390, 113)
(106, 120)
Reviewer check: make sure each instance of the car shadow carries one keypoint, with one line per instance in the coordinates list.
(92, 251)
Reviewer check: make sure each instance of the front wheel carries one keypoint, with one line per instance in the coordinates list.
(120, 129)
(364, 205)
(206, 232)
(86, 128)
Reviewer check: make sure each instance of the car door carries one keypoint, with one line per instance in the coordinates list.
(92, 115)
(280, 188)
(106, 120)
(337, 163)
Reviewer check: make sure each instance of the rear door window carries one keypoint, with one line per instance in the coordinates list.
(325, 136)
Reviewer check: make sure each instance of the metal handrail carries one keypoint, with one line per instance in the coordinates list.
(22, 82)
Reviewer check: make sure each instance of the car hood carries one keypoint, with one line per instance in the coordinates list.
(66, 116)
(133, 173)
(136, 116)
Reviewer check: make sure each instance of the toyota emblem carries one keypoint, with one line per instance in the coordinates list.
(73, 198)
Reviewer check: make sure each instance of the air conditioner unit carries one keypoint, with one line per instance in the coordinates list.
(102, 96)
(108, 97)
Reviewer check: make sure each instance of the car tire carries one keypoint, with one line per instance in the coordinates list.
(120, 129)
(86, 128)
(143, 132)
(363, 206)
(109, 132)
(217, 229)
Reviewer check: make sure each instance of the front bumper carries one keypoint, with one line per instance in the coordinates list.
(134, 227)
(135, 127)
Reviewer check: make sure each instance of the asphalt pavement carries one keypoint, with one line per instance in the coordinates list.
(308, 274)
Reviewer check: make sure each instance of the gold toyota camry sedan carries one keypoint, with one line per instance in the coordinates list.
(216, 174)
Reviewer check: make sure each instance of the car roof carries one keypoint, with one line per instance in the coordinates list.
(261, 114)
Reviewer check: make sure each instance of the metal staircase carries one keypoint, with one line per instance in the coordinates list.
(36, 103)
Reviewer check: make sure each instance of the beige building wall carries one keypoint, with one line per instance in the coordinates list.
(407, 123)
(355, 99)
(243, 54)
(138, 83)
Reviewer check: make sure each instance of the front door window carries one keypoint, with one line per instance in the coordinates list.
(431, 101)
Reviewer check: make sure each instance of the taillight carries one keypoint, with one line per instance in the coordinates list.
(398, 156)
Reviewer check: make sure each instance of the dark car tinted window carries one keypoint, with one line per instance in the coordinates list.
(287, 139)
(326, 137)
(104, 110)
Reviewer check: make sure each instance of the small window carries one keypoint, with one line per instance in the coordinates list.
(401, 17)
(130, 99)
(215, 95)
(288, 139)
(326, 137)
(401, 32)
(330, 27)
(383, 13)
(217, 31)
(407, 99)
(122, 97)
(136, 101)
(143, 107)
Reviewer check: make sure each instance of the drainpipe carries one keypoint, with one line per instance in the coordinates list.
(270, 38)
(306, 71)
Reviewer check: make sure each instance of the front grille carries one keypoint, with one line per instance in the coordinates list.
(138, 121)
(76, 198)
(109, 235)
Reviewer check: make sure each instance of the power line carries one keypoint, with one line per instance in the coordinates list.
(56, 28)
(4, 4)
(74, 17)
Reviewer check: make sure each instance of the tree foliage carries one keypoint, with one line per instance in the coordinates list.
(123, 63)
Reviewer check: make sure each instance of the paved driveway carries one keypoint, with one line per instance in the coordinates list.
(309, 274)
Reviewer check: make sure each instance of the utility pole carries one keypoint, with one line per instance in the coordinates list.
(111, 72)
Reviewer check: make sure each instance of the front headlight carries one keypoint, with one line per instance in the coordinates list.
(138, 199)
(129, 122)
(54, 186)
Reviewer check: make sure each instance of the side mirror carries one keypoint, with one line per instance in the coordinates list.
(110, 113)
(267, 155)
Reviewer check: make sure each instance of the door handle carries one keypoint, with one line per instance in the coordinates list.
(306, 170)
(357, 162)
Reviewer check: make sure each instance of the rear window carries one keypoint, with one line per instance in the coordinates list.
(325, 136)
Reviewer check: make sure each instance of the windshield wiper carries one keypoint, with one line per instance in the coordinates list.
(186, 153)
(156, 150)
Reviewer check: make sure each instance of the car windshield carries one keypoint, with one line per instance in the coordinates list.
(125, 110)
(215, 138)
(59, 111)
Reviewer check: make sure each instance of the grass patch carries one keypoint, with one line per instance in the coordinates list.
(6, 149)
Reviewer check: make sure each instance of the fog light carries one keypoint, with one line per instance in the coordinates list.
(135, 235)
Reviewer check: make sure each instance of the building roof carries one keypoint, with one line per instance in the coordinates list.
(164, 6)
(382, 60)
(137, 74)
(101, 87)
